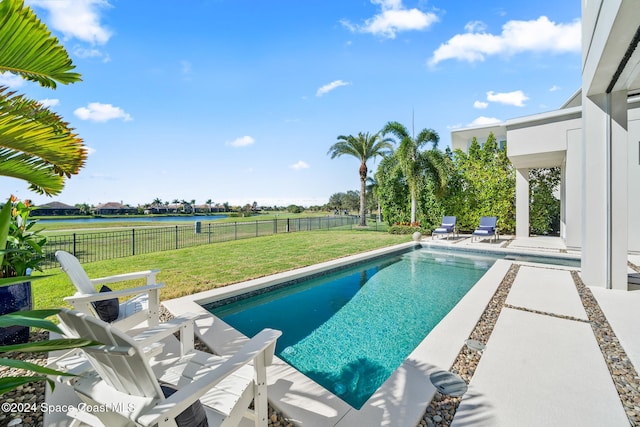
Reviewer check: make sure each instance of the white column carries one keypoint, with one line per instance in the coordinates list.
(563, 199)
(604, 213)
(522, 202)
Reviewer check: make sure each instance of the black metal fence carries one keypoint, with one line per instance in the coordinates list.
(98, 246)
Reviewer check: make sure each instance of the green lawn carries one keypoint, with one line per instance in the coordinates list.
(196, 269)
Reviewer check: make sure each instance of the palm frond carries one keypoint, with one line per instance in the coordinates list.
(29, 50)
(397, 129)
(36, 145)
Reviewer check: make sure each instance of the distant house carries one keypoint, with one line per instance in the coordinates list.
(115, 208)
(55, 209)
(157, 209)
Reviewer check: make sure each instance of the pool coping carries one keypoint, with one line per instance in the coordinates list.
(402, 399)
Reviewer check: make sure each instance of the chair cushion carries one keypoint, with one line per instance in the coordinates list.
(443, 230)
(484, 232)
(107, 309)
(193, 416)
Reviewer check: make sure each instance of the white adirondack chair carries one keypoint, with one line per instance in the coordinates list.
(120, 377)
(143, 306)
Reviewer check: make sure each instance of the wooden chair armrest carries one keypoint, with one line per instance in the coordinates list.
(99, 296)
(150, 275)
(183, 324)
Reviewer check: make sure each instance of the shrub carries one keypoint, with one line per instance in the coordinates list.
(406, 228)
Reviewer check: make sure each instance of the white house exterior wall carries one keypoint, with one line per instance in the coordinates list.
(633, 169)
(572, 201)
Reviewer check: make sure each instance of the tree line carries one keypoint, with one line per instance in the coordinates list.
(417, 184)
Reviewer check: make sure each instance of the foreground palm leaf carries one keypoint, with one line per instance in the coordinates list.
(11, 383)
(29, 49)
(35, 318)
(36, 145)
(32, 319)
(49, 345)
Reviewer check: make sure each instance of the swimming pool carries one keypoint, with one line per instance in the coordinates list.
(348, 330)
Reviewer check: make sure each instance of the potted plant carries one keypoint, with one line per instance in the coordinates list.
(22, 254)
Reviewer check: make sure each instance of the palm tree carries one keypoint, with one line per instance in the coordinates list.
(415, 163)
(363, 147)
(36, 145)
(208, 202)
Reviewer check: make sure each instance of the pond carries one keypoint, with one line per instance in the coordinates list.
(135, 219)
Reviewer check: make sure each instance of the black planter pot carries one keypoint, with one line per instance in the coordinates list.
(15, 298)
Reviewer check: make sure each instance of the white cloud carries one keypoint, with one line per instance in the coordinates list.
(98, 112)
(480, 105)
(482, 120)
(243, 141)
(82, 52)
(78, 19)
(331, 86)
(49, 102)
(475, 26)
(540, 35)
(515, 98)
(554, 88)
(393, 18)
(11, 80)
(299, 165)
(89, 150)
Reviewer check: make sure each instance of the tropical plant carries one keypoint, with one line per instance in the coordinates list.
(23, 252)
(37, 319)
(363, 147)
(544, 206)
(374, 202)
(484, 185)
(393, 191)
(414, 162)
(36, 146)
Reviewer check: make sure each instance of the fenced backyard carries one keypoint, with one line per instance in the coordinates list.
(103, 245)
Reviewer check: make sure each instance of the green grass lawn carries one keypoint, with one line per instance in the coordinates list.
(196, 269)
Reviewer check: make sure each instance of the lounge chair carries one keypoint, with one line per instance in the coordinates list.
(448, 227)
(143, 306)
(487, 228)
(190, 387)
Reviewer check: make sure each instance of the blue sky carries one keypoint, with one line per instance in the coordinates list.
(239, 101)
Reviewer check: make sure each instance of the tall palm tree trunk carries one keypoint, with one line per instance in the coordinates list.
(413, 207)
(363, 194)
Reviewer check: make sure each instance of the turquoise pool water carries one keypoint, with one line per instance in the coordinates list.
(349, 330)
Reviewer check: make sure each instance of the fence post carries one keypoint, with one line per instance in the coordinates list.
(256, 228)
(176, 237)
(209, 233)
(275, 226)
(235, 230)
(133, 241)
(74, 244)
(287, 229)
